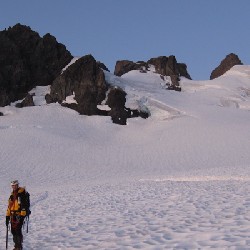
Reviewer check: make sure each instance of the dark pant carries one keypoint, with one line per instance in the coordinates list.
(16, 230)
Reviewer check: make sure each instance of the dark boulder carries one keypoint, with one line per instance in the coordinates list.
(19, 105)
(86, 80)
(225, 65)
(1, 114)
(116, 101)
(119, 113)
(27, 102)
(116, 98)
(27, 60)
(49, 99)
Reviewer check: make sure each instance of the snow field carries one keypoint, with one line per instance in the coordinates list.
(142, 215)
(177, 180)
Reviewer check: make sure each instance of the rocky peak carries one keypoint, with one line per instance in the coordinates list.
(225, 65)
(168, 66)
(27, 60)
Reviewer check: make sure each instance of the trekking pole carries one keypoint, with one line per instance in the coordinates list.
(7, 236)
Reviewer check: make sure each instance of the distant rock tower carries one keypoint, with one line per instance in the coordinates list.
(225, 65)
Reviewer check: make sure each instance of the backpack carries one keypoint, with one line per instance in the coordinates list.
(26, 203)
(27, 197)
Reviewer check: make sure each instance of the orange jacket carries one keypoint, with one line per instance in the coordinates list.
(16, 203)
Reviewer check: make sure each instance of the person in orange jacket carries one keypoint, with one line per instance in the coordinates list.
(16, 213)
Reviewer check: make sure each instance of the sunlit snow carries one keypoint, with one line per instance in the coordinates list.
(177, 180)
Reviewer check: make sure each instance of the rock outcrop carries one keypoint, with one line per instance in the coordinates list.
(124, 66)
(116, 101)
(166, 66)
(27, 60)
(225, 65)
(119, 112)
(85, 80)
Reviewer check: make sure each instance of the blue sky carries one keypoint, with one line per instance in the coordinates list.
(199, 33)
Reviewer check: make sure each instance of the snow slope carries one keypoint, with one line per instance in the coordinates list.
(177, 180)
